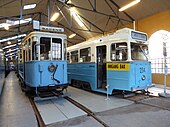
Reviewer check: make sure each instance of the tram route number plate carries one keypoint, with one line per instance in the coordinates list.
(118, 66)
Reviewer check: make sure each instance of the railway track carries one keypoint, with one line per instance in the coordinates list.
(37, 113)
(88, 111)
(77, 104)
(138, 99)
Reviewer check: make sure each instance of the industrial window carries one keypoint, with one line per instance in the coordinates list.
(45, 44)
(74, 56)
(119, 52)
(159, 45)
(158, 65)
(56, 49)
(85, 55)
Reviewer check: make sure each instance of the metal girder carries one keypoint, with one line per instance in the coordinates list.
(93, 6)
(17, 17)
(8, 3)
(72, 31)
(91, 23)
(123, 11)
(67, 28)
(72, 5)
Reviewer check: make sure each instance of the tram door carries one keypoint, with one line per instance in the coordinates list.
(101, 67)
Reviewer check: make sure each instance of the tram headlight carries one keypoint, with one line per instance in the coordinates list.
(51, 68)
(143, 77)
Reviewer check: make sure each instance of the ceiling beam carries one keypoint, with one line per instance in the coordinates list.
(114, 3)
(72, 5)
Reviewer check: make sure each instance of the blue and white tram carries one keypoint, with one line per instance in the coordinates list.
(118, 61)
(2, 70)
(42, 65)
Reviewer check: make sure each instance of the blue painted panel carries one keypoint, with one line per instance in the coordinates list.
(37, 73)
(131, 80)
(83, 71)
(21, 70)
(118, 80)
(143, 76)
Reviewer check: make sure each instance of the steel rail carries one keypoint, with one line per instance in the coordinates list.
(37, 114)
(88, 111)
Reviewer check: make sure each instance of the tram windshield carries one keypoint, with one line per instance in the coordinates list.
(119, 51)
(45, 44)
(139, 51)
(56, 48)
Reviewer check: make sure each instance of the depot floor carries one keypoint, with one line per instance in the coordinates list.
(16, 110)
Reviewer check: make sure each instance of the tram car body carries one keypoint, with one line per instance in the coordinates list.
(117, 61)
(42, 62)
(2, 70)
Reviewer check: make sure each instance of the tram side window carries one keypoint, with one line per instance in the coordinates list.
(85, 55)
(45, 44)
(56, 48)
(74, 56)
(68, 56)
(139, 51)
(20, 56)
(29, 49)
(34, 56)
(119, 52)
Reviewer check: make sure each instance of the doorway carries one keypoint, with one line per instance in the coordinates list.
(101, 67)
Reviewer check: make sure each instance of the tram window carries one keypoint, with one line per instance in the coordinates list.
(56, 49)
(119, 51)
(85, 55)
(65, 49)
(20, 56)
(45, 44)
(29, 49)
(68, 56)
(139, 51)
(74, 56)
(33, 52)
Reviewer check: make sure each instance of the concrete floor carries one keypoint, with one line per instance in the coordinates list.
(15, 108)
(141, 114)
(135, 115)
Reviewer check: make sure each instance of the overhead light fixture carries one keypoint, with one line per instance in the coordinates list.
(6, 26)
(72, 35)
(13, 38)
(69, 2)
(8, 42)
(129, 5)
(30, 6)
(54, 17)
(12, 23)
(76, 16)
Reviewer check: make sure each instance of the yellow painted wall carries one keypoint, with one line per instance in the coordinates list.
(160, 21)
(159, 79)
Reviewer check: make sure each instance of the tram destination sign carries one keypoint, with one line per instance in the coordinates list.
(138, 36)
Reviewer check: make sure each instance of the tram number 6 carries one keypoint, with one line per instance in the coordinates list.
(142, 69)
